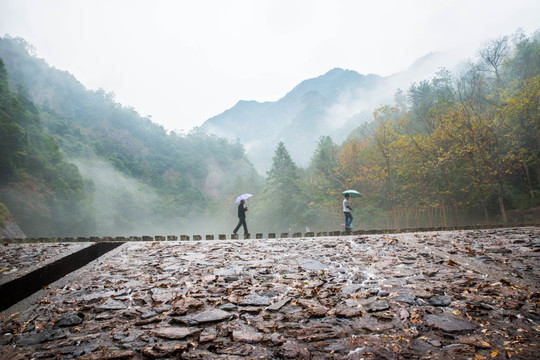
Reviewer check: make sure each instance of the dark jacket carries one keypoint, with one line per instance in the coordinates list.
(241, 211)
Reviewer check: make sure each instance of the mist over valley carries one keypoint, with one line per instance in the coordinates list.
(75, 162)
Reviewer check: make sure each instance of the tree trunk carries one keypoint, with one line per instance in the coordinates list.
(443, 214)
(486, 213)
(527, 174)
(456, 214)
(407, 212)
(501, 203)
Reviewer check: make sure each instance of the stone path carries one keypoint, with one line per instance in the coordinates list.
(446, 295)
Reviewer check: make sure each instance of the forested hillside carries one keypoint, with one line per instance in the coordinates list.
(298, 118)
(458, 149)
(76, 162)
(332, 104)
(38, 186)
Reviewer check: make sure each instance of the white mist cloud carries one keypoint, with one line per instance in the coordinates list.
(119, 200)
(128, 207)
(184, 62)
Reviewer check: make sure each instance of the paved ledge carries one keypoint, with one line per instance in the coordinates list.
(258, 236)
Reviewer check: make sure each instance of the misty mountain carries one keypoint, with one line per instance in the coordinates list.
(332, 104)
(131, 176)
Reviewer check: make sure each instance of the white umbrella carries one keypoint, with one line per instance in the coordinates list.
(242, 197)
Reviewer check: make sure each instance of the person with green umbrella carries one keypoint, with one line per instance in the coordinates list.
(347, 209)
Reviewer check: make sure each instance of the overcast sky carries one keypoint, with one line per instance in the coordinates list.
(182, 62)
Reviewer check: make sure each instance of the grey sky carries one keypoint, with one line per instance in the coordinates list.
(183, 62)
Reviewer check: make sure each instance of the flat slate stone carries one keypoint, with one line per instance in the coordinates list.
(209, 316)
(449, 324)
(255, 300)
(313, 265)
(110, 305)
(351, 289)
(175, 333)
(347, 312)
(71, 320)
(440, 300)
(249, 336)
(405, 298)
(375, 305)
(278, 304)
(228, 307)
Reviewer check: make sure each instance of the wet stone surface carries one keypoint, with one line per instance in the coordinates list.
(434, 295)
(17, 260)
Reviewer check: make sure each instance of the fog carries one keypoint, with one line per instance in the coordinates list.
(184, 62)
(355, 107)
(127, 207)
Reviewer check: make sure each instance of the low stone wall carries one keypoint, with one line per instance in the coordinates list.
(197, 237)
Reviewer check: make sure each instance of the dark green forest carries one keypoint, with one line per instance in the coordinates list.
(458, 149)
(137, 177)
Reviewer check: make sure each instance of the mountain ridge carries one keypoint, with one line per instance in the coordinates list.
(333, 104)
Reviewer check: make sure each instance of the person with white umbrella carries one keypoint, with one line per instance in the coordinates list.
(242, 213)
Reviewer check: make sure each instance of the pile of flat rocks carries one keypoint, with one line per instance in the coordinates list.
(434, 295)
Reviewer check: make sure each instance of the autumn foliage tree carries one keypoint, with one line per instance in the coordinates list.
(457, 149)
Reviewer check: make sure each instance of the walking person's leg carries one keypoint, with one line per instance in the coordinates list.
(237, 226)
(245, 226)
(348, 219)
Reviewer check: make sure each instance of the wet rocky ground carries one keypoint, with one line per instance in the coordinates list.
(434, 295)
(19, 259)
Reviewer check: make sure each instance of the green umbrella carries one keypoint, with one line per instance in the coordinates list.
(352, 193)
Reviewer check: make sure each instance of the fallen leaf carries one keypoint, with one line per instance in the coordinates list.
(484, 344)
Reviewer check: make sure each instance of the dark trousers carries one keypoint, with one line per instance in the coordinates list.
(241, 222)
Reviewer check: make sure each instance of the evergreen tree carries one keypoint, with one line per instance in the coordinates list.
(279, 208)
